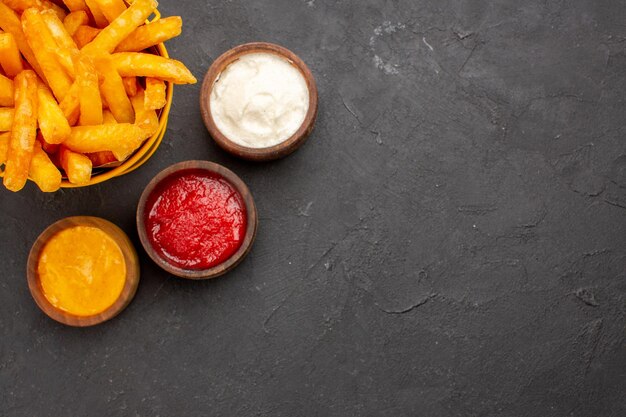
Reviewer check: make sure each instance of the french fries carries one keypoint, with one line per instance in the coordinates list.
(58, 10)
(21, 5)
(4, 146)
(41, 169)
(10, 23)
(84, 35)
(6, 119)
(145, 118)
(58, 32)
(108, 118)
(52, 122)
(154, 96)
(45, 50)
(43, 172)
(75, 5)
(70, 106)
(103, 158)
(112, 88)
(121, 27)
(122, 139)
(6, 91)
(78, 88)
(111, 9)
(151, 34)
(88, 92)
(10, 59)
(97, 14)
(147, 65)
(77, 166)
(131, 85)
(23, 131)
(74, 20)
(49, 148)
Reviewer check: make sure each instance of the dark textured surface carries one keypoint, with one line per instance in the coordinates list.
(450, 242)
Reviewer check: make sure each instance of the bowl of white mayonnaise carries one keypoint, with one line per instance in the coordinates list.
(259, 101)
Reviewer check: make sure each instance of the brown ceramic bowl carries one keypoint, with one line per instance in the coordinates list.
(132, 272)
(258, 154)
(251, 213)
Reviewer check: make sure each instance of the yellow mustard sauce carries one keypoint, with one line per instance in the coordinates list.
(82, 270)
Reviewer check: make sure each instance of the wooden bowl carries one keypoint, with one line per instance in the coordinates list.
(258, 154)
(251, 213)
(132, 271)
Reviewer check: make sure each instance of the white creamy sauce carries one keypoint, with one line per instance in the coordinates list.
(260, 100)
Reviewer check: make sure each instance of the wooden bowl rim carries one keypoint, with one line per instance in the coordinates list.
(130, 258)
(258, 154)
(251, 212)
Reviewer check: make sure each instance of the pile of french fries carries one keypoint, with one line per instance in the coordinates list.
(77, 88)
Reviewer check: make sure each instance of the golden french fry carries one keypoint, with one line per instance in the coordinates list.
(154, 95)
(50, 32)
(105, 105)
(6, 118)
(21, 5)
(4, 146)
(131, 85)
(71, 105)
(77, 167)
(98, 159)
(112, 89)
(49, 148)
(122, 139)
(52, 122)
(10, 58)
(97, 14)
(111, 8)
(151, 34)
(66, 45)
(74, 20)
(43, 172)
(10, 23)
(58, 31)
(88, 92)
(24, 131)
(6, 91)
(58, 11)
(75, 5)
(146, 119)
(121, 27)
(46, 51)
(84, 35)
(130, 64)
(108, 118)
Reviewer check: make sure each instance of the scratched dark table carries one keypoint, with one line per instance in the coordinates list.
(451, 241)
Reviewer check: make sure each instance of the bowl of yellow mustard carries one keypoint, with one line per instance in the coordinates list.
(83, 271)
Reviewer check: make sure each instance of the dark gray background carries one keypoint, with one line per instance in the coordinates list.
(451, 241)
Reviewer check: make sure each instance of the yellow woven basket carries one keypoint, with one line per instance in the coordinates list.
(147, 149)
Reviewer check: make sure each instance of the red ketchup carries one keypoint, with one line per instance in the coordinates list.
(195, 219)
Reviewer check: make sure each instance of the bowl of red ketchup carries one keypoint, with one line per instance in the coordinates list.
(197, 220)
